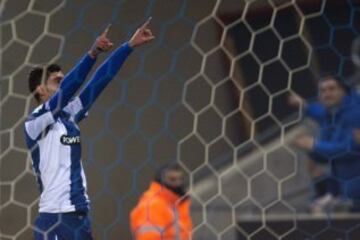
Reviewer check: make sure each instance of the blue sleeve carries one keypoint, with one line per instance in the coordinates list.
(331, 149)
(70, 84)
(101, 78)
(315, 111)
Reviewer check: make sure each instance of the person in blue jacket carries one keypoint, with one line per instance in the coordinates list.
(338, 116)
(53, 136)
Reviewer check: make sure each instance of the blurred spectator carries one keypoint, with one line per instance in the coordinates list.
(338, 115)
(163, 211)
(325, 190)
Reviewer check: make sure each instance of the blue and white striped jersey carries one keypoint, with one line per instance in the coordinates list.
(56, 155)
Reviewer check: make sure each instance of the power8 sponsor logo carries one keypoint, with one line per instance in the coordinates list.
(69, 140)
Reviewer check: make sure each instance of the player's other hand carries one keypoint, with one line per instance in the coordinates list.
(142, 35)
(102, 43)
(295, 100)
(305, 142)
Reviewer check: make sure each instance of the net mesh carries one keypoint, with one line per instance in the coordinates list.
(209, 93)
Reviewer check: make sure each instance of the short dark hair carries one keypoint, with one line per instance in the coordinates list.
(338, 80)
(165, 168)
(36, 76)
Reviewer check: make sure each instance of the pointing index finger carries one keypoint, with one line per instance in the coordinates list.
(106, 31)
(144, 26)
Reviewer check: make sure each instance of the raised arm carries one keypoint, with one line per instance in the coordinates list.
(46, 114)
(76, 77)
(106, 72)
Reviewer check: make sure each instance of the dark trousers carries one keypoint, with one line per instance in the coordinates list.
(63, 226)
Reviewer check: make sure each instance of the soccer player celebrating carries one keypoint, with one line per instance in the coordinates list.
(53, 136)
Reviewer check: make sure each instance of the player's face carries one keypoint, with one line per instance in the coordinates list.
(174, 178)
(53, 82)
(330, 93)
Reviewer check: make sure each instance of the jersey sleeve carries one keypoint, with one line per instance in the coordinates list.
(38, 121)
(70, 84)
(102, 76)
(332, 149)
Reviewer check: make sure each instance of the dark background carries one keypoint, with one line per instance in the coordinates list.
(210, 89)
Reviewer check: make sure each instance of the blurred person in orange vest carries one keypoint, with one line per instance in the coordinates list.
(163, 211)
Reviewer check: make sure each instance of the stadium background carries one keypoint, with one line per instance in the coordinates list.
(209, 92)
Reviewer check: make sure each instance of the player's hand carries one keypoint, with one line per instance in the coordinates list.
(305, 142)
(142, 35)
(102, 43)
(295, 100)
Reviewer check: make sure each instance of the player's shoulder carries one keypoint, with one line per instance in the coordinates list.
(38, 111)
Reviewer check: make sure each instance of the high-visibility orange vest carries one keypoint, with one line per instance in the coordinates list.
(161, 214)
